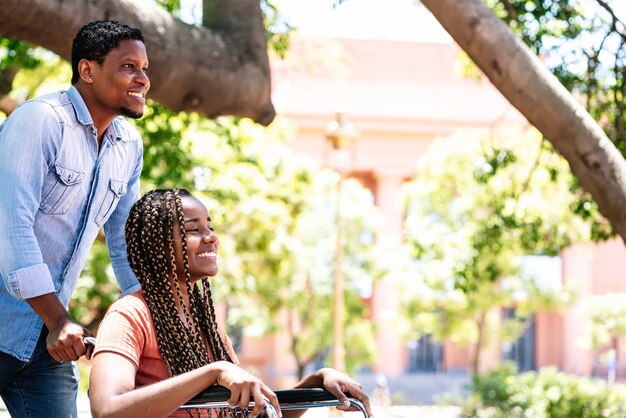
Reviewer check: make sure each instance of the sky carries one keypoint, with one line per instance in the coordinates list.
(400, 20)
(397, 20)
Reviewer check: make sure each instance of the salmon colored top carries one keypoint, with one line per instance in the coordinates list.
(127, 329)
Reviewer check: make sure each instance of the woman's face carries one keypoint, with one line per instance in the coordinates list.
(202, 243)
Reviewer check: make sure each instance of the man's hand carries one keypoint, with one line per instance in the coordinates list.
(65, 342)
(65, 337)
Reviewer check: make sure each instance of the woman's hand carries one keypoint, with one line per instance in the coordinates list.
(341, 386)
(243, 386)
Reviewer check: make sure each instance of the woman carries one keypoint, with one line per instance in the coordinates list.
(159, 347)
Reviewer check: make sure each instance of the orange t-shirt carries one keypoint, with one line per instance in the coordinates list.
(127, 329)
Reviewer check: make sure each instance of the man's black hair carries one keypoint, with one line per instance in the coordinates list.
(94, 41)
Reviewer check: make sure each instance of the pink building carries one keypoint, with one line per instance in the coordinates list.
(400, 96)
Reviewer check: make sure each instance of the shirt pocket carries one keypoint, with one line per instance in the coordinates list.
(114, 193)
(60, 188)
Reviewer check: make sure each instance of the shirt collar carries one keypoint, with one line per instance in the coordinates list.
(82, 113)
(84, 117)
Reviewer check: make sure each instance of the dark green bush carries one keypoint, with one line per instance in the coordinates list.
(544, 394)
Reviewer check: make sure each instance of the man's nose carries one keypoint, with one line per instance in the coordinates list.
(142, 78)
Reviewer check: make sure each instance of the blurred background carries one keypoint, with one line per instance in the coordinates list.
(398, 219)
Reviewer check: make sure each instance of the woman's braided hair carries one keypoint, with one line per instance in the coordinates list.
(150, 243)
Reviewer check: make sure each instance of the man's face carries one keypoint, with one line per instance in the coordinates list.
(120, 83)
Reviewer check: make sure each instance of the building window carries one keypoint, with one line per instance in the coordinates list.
(425, 355)
(522, 351)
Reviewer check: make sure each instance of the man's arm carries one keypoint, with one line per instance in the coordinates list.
(27, 148)
(65, 337)
(25, 157)
(114, 230)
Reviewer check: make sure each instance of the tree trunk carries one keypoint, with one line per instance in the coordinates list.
(538, 95)
(221, 70)
(480, 324)
(300, 371)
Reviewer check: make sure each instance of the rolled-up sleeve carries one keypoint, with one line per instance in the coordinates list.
(29, 282)
(114, 230)
(26, 148)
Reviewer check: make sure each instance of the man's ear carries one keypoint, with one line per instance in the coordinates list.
(85, 70)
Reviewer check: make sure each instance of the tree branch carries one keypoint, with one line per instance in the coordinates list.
(528, 85)
(223, 70)
(614, 17)
(510, 10)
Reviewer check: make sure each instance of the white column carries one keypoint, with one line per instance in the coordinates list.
(391, 350)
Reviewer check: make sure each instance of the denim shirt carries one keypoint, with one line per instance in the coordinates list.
(57, 189)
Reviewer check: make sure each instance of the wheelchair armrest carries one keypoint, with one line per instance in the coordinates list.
(219, 394)
(302, 398)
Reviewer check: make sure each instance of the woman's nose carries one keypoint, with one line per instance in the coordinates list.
(208, 237)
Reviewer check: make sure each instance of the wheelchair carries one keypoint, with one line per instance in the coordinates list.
(216, 397)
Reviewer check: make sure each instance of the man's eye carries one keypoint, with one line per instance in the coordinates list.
(129, 66)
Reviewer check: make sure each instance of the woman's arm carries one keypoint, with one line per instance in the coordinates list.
(113, 394)
(336, 383)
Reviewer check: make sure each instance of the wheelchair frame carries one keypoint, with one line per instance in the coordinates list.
(216, 397)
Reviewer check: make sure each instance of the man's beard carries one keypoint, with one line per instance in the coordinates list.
(124, 111)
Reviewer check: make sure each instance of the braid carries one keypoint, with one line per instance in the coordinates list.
(205, 300)
(151, 255)
(150, 236)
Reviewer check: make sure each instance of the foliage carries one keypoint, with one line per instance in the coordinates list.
(274, 212)
(168, 159)
(608, 319)
(472, 224)
(468, 233)
(583, 43)
(96, 289)
(267, 203)
(546, 394)
(171, 6)
(278, 31)
(26, 71)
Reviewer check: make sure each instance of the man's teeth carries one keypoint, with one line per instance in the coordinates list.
(207, 254)
(132, 93)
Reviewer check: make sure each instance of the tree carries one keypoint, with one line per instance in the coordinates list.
(529, 86)
(608, 321)
(479, 203)
(220, 68)
(267, 204)
(274, 213)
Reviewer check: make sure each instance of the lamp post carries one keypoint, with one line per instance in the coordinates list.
(341, 135)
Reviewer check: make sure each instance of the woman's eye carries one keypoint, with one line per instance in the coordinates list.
(192, 230)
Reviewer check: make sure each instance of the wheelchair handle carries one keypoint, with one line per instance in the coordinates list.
(301, 398)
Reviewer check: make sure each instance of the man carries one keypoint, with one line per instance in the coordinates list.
(69, 164)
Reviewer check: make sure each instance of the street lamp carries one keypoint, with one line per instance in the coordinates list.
(341, 135)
